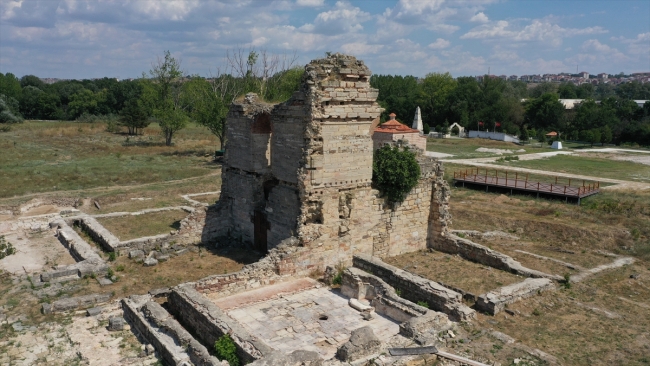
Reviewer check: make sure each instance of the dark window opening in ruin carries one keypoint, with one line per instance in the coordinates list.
(268, 186)
(262, 124)
(261, 227)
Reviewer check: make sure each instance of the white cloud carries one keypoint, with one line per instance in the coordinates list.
(479, 18)
(637, 46)
(541, 30)
(344, 18)
(310, 3)
(439, 44)
(443, 28)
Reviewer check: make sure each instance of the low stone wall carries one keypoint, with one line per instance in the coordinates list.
(74, 303)
(174, 344)
(478, 253)
(495, 301)
(79, 248)
(96, 231)
(208, 322)
(415, 320)
(416, 288)
(89, 261)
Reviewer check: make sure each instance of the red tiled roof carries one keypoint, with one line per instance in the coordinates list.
(393, 126)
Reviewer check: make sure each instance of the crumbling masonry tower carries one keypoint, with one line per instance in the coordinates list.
(302, 170)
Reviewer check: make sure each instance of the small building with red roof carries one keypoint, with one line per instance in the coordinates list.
(393, 131)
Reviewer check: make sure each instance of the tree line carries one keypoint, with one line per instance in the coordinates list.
(608, 113)
(166, 94)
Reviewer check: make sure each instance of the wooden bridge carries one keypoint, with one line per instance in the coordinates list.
(520, 183)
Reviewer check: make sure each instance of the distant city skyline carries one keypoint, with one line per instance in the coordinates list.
(77, 39)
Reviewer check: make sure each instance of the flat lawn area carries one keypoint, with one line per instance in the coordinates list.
(466, 148)
(155, 223)
(441, 267)
(592, 166)
(60, 156)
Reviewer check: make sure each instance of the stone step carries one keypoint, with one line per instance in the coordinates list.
(174, 344)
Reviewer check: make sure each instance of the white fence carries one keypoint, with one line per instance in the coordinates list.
(500, 136)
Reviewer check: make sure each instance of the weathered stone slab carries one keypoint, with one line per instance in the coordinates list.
(116, 323)
(149, 262)
(103, 281)
(495, 301)
(363, 342)
(75, 303)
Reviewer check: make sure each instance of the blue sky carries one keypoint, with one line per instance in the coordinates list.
(121, 38)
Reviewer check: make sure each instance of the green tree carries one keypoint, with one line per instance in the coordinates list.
(134, 116)
(567, 91)
(395, 172)
(9, 110)
(541, 89)
(168, 109)
(37, 104)
(435, 90)
(545, 112)
(85, 102)
(10, 86)
(32, 80)
(207, 107)
(605, 135)
(524, 136)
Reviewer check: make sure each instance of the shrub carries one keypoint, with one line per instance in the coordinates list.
(567, 281)
(395, 172)
(337, 280)
(423, 304)
(226, 350)
(119, 268)
(112, 256)
(6, 249)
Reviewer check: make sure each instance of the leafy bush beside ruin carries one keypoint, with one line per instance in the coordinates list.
(6, 249)
(395, 172)
(226, 350)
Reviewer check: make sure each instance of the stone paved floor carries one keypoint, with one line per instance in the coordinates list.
(292, 322)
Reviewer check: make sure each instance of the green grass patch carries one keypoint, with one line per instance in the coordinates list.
(155, 223)
(58, 156)
(595, 167)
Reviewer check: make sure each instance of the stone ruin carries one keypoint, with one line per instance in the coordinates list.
(299, 173)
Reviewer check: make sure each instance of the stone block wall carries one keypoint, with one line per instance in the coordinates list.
(318, 186)
(415, 288)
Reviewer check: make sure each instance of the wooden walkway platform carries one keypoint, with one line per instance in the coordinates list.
(520, 183)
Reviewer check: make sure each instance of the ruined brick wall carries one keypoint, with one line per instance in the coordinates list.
(303, 169)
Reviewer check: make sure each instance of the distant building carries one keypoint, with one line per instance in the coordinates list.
(584, 74)
(392, 132)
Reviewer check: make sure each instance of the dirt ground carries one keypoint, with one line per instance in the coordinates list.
(34, 252)
(445, 268)
(603, 320)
